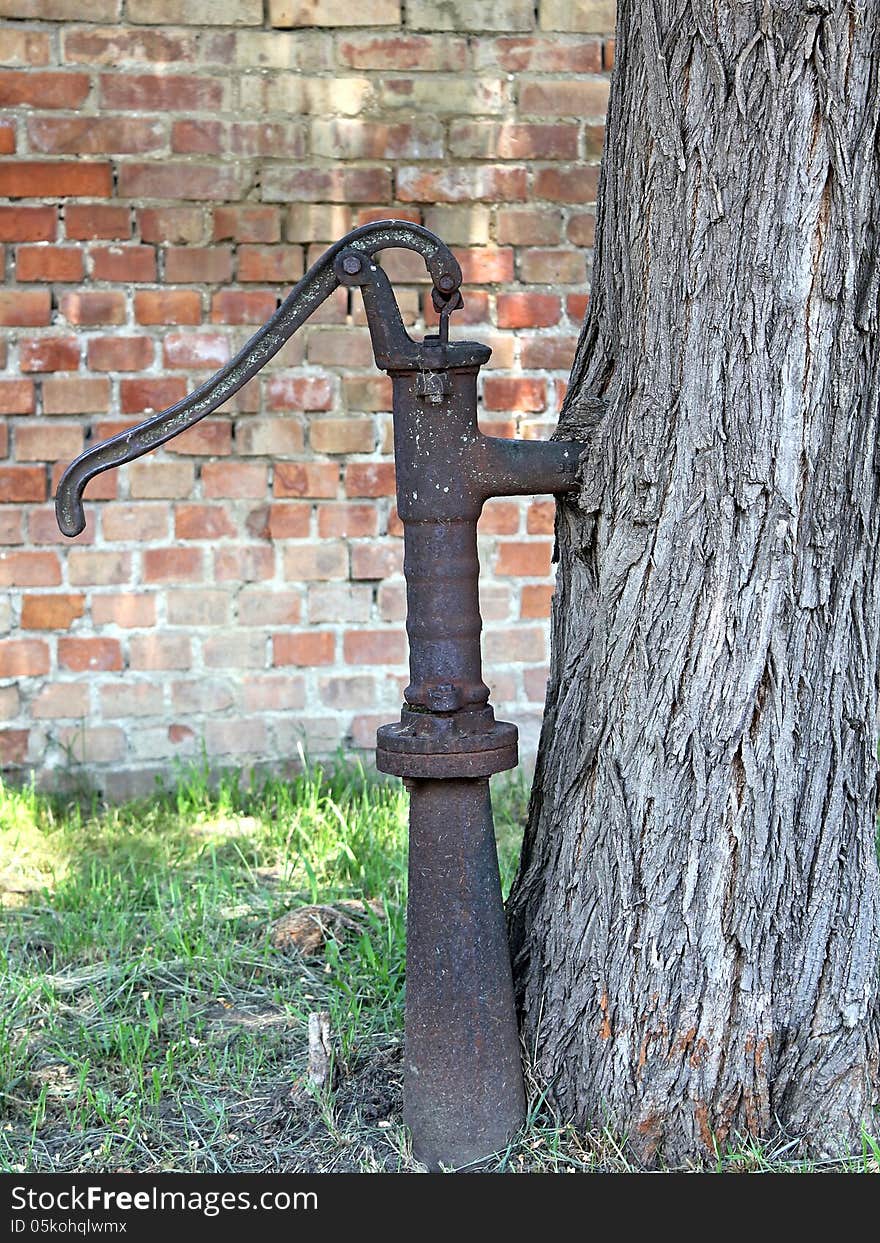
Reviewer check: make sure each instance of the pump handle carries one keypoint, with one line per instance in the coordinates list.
(317, 285)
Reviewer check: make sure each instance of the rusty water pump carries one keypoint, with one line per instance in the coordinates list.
(463, 1084)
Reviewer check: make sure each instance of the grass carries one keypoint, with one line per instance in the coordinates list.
(149, 1021)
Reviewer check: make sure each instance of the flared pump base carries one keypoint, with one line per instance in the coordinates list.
(463, 1084)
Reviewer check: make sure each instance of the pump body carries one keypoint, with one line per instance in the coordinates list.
(463, 1084)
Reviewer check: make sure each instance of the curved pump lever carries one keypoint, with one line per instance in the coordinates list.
(331, 270)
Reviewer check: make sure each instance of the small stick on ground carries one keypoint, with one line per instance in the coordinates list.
(320, 1050)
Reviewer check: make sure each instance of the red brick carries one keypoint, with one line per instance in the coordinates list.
(13, 746)
(374, 647)
(198, 608)
(318, 479)
(55, 612)
(369, 479)
(139, 522)
(172, 565)
(123, 263)
(608, 54)
(192, 137)
(171, 225)
(270, 263)
(340, 602)
(581, 229)
(55, 179)
(131, 699)
(527, 310)
(210, 438)
(49, 263)
(101, 135)
(528, 226)
(550, 353)
(485, 265)
(207, 522)
(69, 395)
(278, 694)
(120, 353)
(552, 267)
(195, 351)
(164, 92)
(29, 569)
(315, 562)
(527, 559)
(25, 308)
(28, 224)
(326, 185)
(86, 568)
(241, 649)
(369, 393)
(42, 442)
(536, 601)
(91, 220)
(143, 395)
(346, 520)
(541, 518)
(115, 45)
(11, 526)
(310, 647)
(103, 488)
(42, 90)
(126, 610)
(499, 518)
(23, 658)
(535, 682)
(289, 521)
(242, 306)
(7, 138)
(568, 185)
(515, 644)
(24, 47)
(247, 223)
(204, 265)
(522, 394)
(49, 354)
(169, 179)
(16, 397)
(80, 655)
(463, 183)
(22, 483)
(168, 306)
(287, 392)
(94, 306)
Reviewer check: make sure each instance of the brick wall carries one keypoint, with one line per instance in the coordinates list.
(168, 168)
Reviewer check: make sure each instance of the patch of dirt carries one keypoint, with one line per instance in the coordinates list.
(308, 927)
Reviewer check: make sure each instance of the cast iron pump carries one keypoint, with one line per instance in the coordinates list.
(463, 1084)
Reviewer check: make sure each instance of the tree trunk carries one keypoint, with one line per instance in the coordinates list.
(695, 923)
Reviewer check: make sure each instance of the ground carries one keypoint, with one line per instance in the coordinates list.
(153, 1016)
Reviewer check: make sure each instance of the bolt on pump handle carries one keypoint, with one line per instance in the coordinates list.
(346, 262)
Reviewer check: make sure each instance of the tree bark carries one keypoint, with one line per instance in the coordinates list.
(695, 922)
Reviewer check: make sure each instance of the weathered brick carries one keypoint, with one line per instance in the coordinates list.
(374, 647)
(135, 523)
(528, 310)
(60, 10)
(233, 649)
(530, 559)
(377, 559)
(484, 140)
(272, 438)
(369, 479)
(581, 230)
(42, 90)
(570, 97)
(355, 139)
(536, 599)
(267, 606)
(204, 695)
(340, 184)
(131, 699)
(580, 16)
(344, 520)
(24, 47)
(244, 563)
(343, 435)
(274, 694)
(198, 137)
(86, 568)
(171, 179)
(59, 701)
(159, 651)
(95, 135)
(127, 610)
(461, 95)
(81, 654)
(485, 265)
(402, 51)
(567, 185)
(499, 518)
(52, 612)
(195, 12)
(461, 183)
(240, 737)
(298, 392)
(296, 95)
(287, 13)
(29, 569)
(79, 395)
(120, 353)
(268, 138)
(339, 602)
(55, 179)
(172, 225)
(515, 643)
(270, 263)
(547, 353)
(195, 351)
(41, 442)
(206, 265)
(102, 744)
(25, 308)
(160, 479)
(13, 746)
(552, 267)
(23, 658)
(309, 562)
(88, 221)
(198, 607)
(202, 522)
(234, 479)
(540, 54)
(22, 484)
(172, 565)
(116, 45)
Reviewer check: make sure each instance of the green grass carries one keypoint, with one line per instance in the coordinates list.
(148, 1021)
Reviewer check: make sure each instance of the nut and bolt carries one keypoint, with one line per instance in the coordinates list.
(352, 264)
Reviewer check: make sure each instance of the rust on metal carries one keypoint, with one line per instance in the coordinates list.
(463, 1085)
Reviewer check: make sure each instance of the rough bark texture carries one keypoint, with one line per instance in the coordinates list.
(695, 924)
